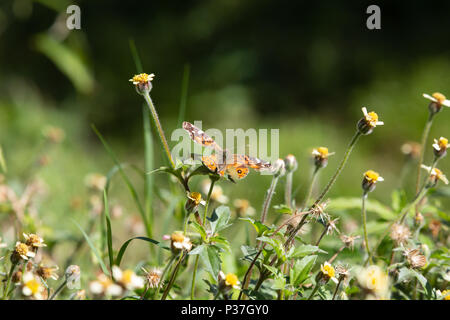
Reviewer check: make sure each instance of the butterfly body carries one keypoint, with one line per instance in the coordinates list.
(235, 166)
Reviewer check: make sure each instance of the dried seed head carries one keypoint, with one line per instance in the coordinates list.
(415, 259)
(153, 277)
(400, 233)
(349, 241)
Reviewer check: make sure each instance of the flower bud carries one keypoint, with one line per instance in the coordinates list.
(370, 179)
(143, 82)
(278, 168)
(290, 163)
(321, 155)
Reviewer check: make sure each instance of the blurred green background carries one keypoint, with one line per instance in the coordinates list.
(304, 67)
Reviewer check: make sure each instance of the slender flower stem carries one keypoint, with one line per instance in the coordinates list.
(268, 198)
(172, 259)
(173, 277)
(288, 189)
(425, 133)
(336, 254)
(58, 290)
(159, 128)
(311, 186)
(314, 291)
(364, 218)
(328, 186)
(322, 235)
(337, 288)
(403, 214)
(8, 281)
(208, 199)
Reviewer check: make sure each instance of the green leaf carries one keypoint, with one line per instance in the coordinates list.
(184, 91)
(67, 60)
(219, 219)
(93, 248)
(282, 208)
(211, 260)
(305, 250)
(108, 230)
(124, 247)
(200, 230)
(399, 200)
(2, 161)
(301, 269)
(259, 227)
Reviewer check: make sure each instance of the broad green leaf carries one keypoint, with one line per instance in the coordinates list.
(305, 250)
(259, 227)
(211, 260)
(219, 219)
(200, 230)
(282, 208)
(301, 269)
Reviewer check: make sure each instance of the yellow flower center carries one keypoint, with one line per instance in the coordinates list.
(142, 78)
(323, 152)
(33, 239)
(439, 97)
(196, 197)
(177, 237)
(33, 285)
(372, 118)
(127, 276)
(443, 142)
(328, 270)
(22, 249)
(231, 279)
(446, 294)
(371, 176)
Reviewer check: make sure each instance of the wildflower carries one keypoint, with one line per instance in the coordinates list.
(278, 168)
(143, 82)
(343, 272)
(95, 181)
(21, 251)
(326, 273)
(411, 149)
(290, 163)
(318, 212)
(72, 275)
(127, 278)
(105, 286)
(243, 207)
(34, 241)
(370, 179)
(369, 122)
(415, 259)
(194, 200)
(440, 147)
(226, 282)
(435, 175)
(332, 226)
(153, 277)
(321, 155)
(180, 242)
(437, 101)
(54, 134)
(216, 194)
(32, 287)
(400, 233)
(445, 295)
(349, 241)
(47, 272)
(374, 279)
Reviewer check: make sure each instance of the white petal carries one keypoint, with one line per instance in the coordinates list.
(429, 97)
(96, 287)
(364, 110)
(436, 146)
(380, 179)
(446, 103)
(114, 290)
(379, 123)
(117, 273)
(27, 291)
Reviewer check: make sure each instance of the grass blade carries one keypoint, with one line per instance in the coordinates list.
(124, 247)
(126, 179)
(108, 230)
(93, 248)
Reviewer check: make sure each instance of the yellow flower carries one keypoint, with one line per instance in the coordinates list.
(194, 199)
(180, 242)
(370, 179)
(127, 278)
(374, 279)
(437, 101)
(226, 282)
(446, 294)
(321, 155)
(143, 82)
(33, 240)
(32, 286)
(328, 272)
(440, 147)
(105, 286)
(23, 251)
(371, 118)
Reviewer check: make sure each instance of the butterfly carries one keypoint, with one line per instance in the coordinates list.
(235, 166)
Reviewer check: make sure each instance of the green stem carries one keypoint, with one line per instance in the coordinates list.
(8, 281)
(268, 198)
(159, 128)
(58, 290)
(208, 199)
(314, 291)
(425, 133)
(172, 259)
(337, 288)
(311, 186)
(364, 217)
(288, 190)
(173, 277)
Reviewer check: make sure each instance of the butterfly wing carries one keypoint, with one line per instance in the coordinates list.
(199, 136)
(257, 164)
(211, 163)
